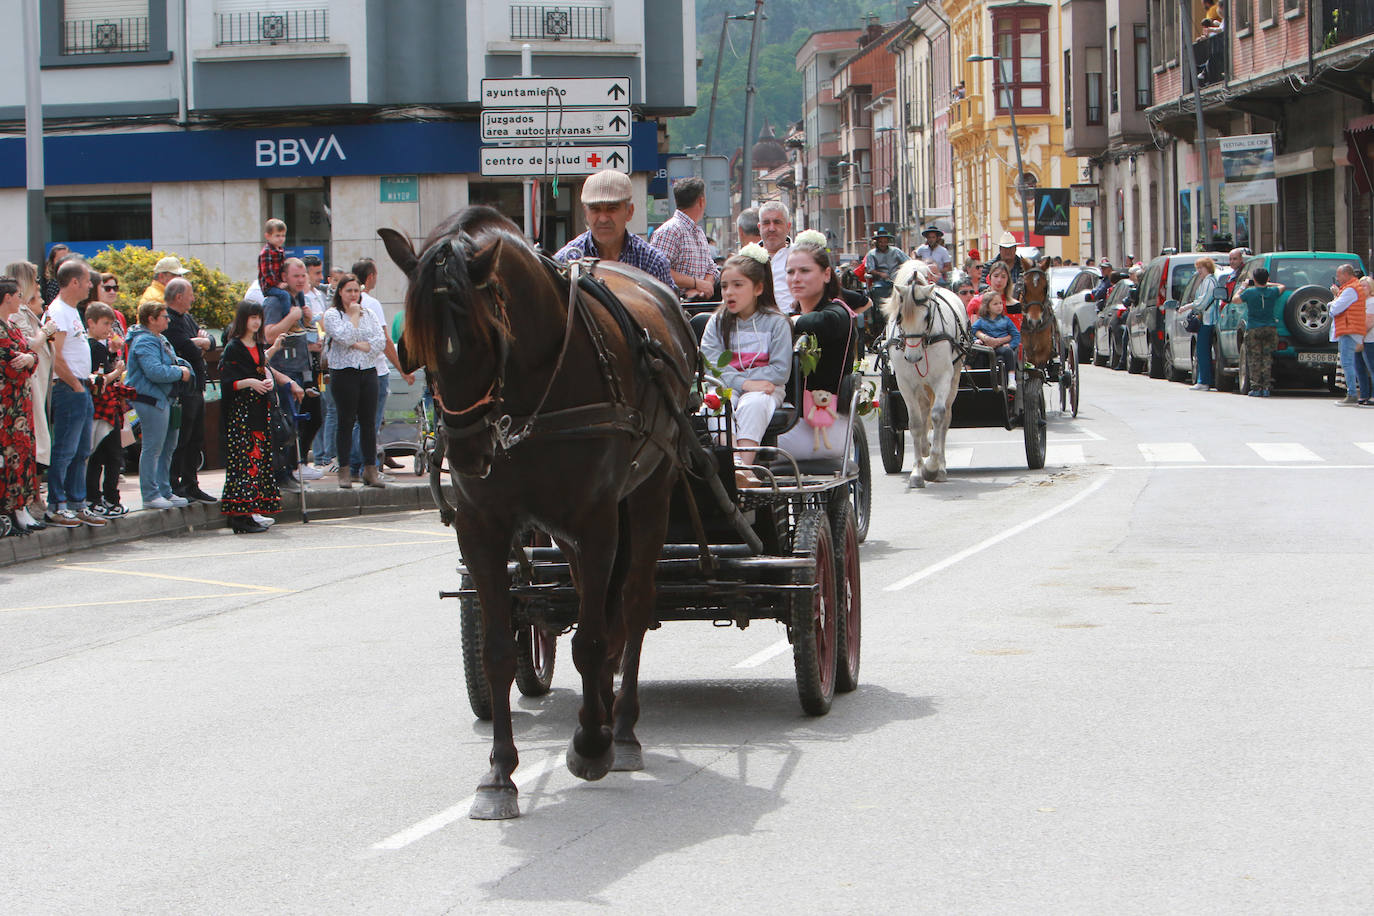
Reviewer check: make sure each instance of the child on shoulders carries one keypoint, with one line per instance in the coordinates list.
(272, 263)
(753, 329)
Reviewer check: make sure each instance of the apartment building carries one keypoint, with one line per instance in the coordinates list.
(925, 173)
(186, 125)
(1300, 71)
(865, 89)
(821, 205)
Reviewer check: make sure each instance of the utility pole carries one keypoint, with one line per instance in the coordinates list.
(1185, 13)
(715, 83)
(746, 195)
(33, 133)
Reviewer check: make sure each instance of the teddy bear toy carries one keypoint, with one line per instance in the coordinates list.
(818, 409)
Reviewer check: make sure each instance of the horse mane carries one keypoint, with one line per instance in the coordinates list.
(429, 334)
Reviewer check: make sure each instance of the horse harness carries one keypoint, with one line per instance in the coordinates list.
(589, 420)
(1031, 325)
(960, 340)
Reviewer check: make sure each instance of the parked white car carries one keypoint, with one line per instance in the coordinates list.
(1074, 306)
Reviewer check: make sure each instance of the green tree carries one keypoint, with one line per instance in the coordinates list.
(217, 296)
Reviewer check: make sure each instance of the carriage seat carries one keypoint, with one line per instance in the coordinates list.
(845, 396)
(981, 357)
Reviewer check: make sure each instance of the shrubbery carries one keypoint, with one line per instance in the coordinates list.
(217, 297)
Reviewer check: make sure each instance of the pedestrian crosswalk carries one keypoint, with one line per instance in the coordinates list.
(1074, 451)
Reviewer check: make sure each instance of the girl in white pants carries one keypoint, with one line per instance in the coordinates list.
(758, 337)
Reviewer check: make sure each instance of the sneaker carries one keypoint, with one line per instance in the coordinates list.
(157, 502)
(1256, 392)
(1348, 401)
(265, 521)
(1198, 387)
(112, 510)
(330, 467)
(97, 508)
(385, 478)
(63, 518)
(87, 517)
(307, 473)
(178, 502)
(1265, 393)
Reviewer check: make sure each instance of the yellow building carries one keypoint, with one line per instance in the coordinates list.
(1028, 39)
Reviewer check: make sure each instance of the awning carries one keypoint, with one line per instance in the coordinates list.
(1359, 141)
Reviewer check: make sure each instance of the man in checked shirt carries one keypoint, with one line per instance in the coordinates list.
(607, 207)
(684, 244)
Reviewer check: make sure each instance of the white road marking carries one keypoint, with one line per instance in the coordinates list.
(1283, 451)
(997, 538)
(1059, 454)
(459, 811)
(1171, 451)
(763, 655)
(1242, 467)
(1367, 446)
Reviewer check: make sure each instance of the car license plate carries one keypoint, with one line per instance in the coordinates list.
(1320, 359)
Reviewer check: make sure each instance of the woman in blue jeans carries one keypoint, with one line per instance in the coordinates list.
(1204, 301)
(154, 370)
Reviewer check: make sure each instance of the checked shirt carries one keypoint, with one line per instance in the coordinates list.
(684, 244)
(636, 252)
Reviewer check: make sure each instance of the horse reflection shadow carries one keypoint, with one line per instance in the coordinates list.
(735, 747)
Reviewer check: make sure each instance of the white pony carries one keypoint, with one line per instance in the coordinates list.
(927, 341)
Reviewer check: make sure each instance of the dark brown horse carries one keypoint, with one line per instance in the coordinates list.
(1038, 328)
(555, 418)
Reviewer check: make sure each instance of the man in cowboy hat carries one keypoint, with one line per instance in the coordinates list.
(934, 250)
(881, 263)
(1006, 251)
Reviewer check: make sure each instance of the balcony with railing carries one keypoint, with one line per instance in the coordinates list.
(105, 36)
(1210, 55)
(1342, 22)
(560, 23)
(269, 27)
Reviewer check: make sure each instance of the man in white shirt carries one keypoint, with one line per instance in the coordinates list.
(72, 408)
(934, 250)
(775, 227)
(365, 269)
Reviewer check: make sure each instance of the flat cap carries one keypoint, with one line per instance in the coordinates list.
(607, 187)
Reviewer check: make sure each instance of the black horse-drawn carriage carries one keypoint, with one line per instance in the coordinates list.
(784, 551)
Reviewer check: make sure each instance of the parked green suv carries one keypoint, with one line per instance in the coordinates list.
(1306, 355)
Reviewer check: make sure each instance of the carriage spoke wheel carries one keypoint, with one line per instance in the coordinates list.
(849, 600)
(470, 629)
(891, 441)
(1033, 423)
(813, 615)
(861, 489)
(535, 652)
(1068, 382)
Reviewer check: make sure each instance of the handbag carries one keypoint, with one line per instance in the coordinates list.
(1192, 321)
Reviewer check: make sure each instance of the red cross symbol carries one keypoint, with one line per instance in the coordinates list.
(594, 159)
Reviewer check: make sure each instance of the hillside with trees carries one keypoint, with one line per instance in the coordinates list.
(786, 25)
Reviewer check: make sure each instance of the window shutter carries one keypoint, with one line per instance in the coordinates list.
(103, 10)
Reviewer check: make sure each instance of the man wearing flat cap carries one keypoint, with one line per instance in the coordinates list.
(607, 207)
(934, 250)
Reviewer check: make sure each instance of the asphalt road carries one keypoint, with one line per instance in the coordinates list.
(1138, 681)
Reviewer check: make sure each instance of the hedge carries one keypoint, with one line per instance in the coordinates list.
(217, 296)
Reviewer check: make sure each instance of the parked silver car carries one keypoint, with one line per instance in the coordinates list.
(1180, 356)
(1074, 306)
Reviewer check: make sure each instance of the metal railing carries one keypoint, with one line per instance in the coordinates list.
(104, 36)
(560, 23)
(1210, 55)
(1342, 21)
(1143, 98)
(268, 27)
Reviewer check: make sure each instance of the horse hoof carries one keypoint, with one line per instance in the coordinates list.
(629, 757)
(590, 768)
(915, 482)
(495, 803)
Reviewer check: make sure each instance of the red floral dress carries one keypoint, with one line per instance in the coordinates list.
(18, 467)
(248, 484)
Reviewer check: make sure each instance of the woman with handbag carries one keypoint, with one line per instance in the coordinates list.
(1204, 306)
(250, 497)
(154, 371)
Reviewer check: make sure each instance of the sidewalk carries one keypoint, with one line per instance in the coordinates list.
(323, 499)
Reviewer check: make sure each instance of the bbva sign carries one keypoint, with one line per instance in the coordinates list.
(288, 151)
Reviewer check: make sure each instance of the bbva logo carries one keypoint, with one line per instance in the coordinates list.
(289, 152)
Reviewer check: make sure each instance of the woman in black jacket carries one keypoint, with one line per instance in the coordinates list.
(247, 384)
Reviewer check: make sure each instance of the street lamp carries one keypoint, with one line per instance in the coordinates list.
(1015, 138)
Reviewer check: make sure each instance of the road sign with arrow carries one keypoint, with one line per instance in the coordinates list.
(540, 124)
(571, 92)
(569, 161)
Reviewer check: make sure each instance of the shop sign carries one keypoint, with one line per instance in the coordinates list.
(1248, 164)
(399, 189)
(1052, 211)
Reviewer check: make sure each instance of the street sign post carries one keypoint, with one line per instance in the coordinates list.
(572, 92)
(555, 124)
(570, 161)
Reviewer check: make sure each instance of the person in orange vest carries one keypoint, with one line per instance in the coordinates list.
(1348, 330)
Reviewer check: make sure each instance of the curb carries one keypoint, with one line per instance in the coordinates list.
(322, 504)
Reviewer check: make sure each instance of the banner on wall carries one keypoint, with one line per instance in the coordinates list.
(1248, 164)
(1052, 211)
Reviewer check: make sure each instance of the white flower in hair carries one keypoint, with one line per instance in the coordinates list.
(809, 239)
(755, 251)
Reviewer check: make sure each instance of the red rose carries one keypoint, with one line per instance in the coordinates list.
(712, 401)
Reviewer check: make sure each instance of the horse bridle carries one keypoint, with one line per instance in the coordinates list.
(1028, 325)
(929, 336)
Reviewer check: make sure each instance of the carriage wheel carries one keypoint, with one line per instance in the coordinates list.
(470, 627)
(535, 652)
(813, 615)
(861, 490)
(1033, 420)
(1068, 382)
(845, 533)
(891, 441)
